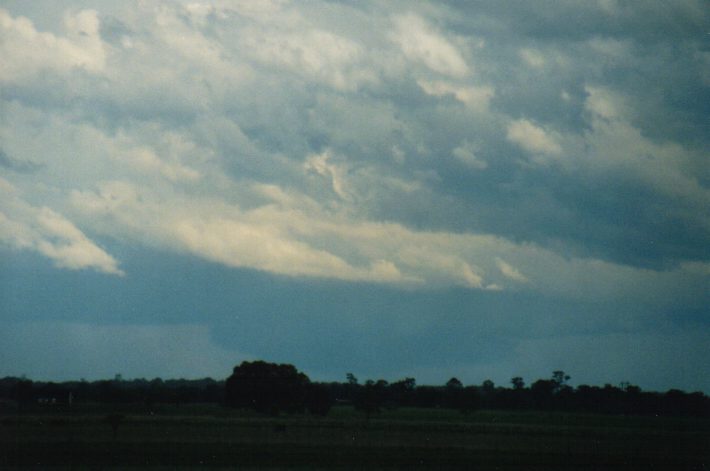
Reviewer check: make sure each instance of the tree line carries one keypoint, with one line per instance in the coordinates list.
(271, 388)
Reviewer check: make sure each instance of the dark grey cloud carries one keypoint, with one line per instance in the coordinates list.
(574, 20)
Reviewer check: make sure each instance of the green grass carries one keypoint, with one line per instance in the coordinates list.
(210, 435)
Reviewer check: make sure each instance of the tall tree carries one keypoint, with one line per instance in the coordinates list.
(267, 387)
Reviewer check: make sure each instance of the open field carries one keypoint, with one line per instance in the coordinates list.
(197, 436)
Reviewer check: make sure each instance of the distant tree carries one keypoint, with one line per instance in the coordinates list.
(517, 383)
(402, 392)
(454, 383)
(351, 379)
(371, 397)
(470, 399)
(428, 396)
(542, 392)
(408, 384)
(318, 399)
(266, 387)
(107, 391)
(488, 386)
(559, 378)
(488, 393)
(453, 394)
(23, 392)
(632, 390)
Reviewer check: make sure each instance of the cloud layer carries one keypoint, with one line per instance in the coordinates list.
(272, 138)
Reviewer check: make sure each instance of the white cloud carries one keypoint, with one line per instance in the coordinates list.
(260, 246)
(51, 234)
(320, 163)
(510, 271)
(321, 55)
(287, 39)
(532, 57)
(145, 159)
(465, 153)
(475, 97)
(603, 103)
(421, 43)
(64, 243)
(291, 234)
(265, 238)
(24, 51)
(533, 138)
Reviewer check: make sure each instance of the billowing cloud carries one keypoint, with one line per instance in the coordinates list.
(510, 271)
(320, 164)
(532, 58)
(475, 97)
(421, 43)
(532, 138)
(26, 51)
(465, 154)
(316, 54)
(51, 234)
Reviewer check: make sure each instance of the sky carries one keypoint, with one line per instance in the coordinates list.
(394, 189)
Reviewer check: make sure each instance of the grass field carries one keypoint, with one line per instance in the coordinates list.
(209, 435)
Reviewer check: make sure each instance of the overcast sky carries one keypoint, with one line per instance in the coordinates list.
(476, 189)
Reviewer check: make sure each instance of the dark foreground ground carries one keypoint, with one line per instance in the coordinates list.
(211, 436)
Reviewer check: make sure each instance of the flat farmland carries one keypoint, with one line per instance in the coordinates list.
(212, 436)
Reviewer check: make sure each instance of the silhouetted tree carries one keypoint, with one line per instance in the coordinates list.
(318, 399)
(23, 393)
(487, 393)
(488, 386)
(470, 399)
(454, 383)
(371, 397)
(428, 396)
(402, 392)
(517, 382)
(453, 394)
(542, 392)
(559, 378)
(266, 387)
